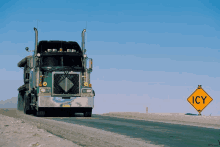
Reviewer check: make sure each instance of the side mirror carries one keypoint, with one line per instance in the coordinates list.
(27, 49)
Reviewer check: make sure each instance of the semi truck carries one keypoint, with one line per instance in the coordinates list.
(56, 77)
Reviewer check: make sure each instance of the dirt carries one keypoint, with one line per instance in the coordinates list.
(17, 132)
(26, 130)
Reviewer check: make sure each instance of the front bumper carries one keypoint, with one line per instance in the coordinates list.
(73, 102)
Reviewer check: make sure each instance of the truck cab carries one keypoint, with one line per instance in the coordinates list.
(56, 76)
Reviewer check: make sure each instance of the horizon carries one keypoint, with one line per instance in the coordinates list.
(145, 53)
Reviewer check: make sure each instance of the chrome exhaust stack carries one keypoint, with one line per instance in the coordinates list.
(36, 70)
(83, 41)
(36, 41)
(84, 56)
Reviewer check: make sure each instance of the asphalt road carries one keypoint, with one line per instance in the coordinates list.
(170, 135)
(158, 133)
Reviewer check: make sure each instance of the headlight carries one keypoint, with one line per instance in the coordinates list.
(45, 90)
(86, 90)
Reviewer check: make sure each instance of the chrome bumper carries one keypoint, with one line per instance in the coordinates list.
(48, 101)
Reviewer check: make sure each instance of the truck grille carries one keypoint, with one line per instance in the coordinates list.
(65, 84)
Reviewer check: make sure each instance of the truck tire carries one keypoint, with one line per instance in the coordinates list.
(19, 101)
(72, 114)
(40, 113)
(88, 114)
(26, 106)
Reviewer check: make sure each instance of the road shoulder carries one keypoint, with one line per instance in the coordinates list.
(19, 133)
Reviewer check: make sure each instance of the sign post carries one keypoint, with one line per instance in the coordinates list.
(199, 99)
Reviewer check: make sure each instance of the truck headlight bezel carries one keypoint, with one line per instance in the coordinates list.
(88, 90)
(45, 90)
(42, 90)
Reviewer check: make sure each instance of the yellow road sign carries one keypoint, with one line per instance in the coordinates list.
(199, 99)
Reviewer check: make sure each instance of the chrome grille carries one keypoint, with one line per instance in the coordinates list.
(66, 84)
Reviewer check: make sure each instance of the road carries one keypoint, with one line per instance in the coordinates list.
(157, 133)
(170, 135)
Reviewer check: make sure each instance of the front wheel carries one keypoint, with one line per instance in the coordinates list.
(25, 106)
(39, 113)
(88, 114)
(19, 104)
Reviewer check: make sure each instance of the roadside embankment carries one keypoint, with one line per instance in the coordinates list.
(174, 118)
(35, 130)
(16, 132)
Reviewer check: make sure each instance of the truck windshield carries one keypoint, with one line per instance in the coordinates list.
(50, 61)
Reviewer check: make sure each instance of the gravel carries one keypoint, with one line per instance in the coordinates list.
(20, 133)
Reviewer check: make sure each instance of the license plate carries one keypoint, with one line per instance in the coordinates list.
(66, 105)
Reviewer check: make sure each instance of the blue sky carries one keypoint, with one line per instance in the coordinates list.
(146, 53)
